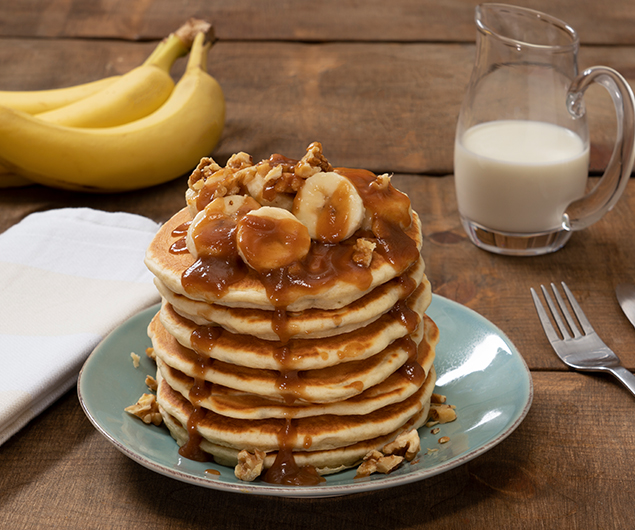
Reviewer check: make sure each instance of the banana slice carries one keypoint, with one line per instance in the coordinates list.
(271, 238)
(212, 231)
(330, 207)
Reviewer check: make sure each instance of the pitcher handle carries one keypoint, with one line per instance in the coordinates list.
(590, 208)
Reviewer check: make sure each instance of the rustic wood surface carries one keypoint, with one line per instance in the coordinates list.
(380, 85)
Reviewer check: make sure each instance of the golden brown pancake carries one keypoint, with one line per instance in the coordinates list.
(298, 354)
(250, 292)
(325, 462)
(247, 405)
(315, 433)
(311, 323)
(325, 385)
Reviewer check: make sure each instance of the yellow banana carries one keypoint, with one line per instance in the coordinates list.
(134, 95)
(124, 98)
(160, 147)
(37, 101)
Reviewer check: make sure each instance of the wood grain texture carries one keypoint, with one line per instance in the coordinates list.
(605, 22)
(385, 107)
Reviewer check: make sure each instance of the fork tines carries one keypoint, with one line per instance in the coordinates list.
(571, 328)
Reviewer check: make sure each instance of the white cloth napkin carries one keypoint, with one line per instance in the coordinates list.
(67, 278)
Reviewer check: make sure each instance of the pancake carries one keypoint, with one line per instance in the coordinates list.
(325, 385)
(311, 323)
(247, 405)
(316, 433)
(250, 291)
(298, 354)
(325, 462)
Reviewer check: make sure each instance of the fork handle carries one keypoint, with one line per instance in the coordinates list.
(625, 377)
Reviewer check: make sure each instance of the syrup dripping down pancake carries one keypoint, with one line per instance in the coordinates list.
(250, 292)
(331, 384)
(316, 433)
(247, 405)
(325, 462)
(311, 323)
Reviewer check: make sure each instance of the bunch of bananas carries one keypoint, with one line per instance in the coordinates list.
(119, 133)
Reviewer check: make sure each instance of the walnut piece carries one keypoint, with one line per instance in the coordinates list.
(151, 383)
(442, 413)
(150, 354)
(312, 162)
(249, 465)
(407, 444)
(437, 398)
(205, 169)
(135, 359)
(363, 251)
(376, 462)
(147, 409)
(381, 182)
(240, 161)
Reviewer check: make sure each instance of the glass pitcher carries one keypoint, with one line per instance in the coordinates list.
(522, 142)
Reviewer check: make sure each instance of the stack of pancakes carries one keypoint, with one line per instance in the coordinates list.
(306, 353)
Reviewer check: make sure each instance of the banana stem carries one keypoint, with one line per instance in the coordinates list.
(198, 53)
(178, 43)
(166, 52)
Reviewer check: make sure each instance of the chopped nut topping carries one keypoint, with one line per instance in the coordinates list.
(150, 353)
(363, 251)
(151, 383)
(407, 444)
(442, 413)
(435, 430)
(240, 161)
(274, 174)
(147, 409)
(135, 359)
(437, 398)
(312, 162)
(249, 465)
(381, 182)
(376, 462)
(205, 169)
(444, 439)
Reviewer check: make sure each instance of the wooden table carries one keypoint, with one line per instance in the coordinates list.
(379, 84)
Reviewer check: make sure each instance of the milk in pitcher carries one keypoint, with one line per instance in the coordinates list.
(519, 175)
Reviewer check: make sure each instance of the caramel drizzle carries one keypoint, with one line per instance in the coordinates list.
(201, 337)
(285, 470)
(180, 245)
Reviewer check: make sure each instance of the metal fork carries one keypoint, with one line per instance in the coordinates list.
(584, 350)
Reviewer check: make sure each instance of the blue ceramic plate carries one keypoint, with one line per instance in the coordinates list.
(479, 370)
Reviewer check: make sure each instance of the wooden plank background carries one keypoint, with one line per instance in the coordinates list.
(410, 95)
(597, 22)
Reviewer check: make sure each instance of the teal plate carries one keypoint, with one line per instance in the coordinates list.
(479, 370)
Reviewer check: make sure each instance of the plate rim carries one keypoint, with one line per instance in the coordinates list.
(364, 485)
